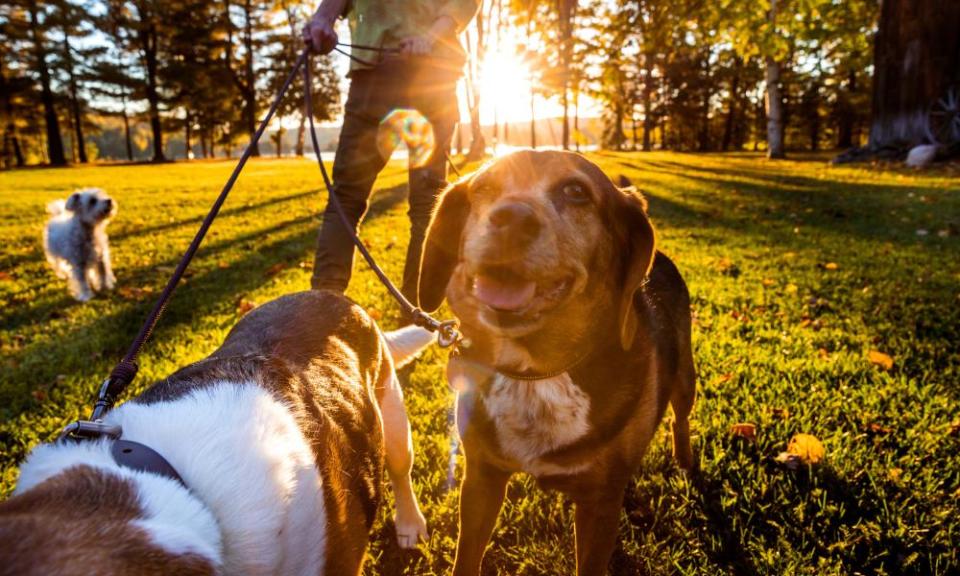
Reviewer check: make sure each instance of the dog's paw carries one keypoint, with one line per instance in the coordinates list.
(411, 528)
(83, 296)
(109, 283)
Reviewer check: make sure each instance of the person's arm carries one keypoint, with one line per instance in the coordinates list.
(452, 19)
(461, 12)
(319, 33)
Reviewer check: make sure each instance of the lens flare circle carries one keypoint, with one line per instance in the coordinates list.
(411, 128)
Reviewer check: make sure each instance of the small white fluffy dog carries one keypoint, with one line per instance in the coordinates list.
(75, 240)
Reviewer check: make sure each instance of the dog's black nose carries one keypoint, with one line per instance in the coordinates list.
(109, 202)
(515, 221)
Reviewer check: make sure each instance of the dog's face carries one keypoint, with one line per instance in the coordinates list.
(91, 206)
(537, 244)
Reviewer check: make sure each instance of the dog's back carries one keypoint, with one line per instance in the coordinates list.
(277, 435)
(322, 357)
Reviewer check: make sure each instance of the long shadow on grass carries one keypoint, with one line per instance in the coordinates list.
(207, 292)
(156, 273)
(128, 233)
(864, 210)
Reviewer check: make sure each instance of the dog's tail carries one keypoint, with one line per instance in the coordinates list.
(57, 207)
(407, 342)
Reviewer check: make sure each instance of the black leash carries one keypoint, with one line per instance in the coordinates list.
(126, 370)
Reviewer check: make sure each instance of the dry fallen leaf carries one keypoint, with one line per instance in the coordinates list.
(831, 266)
(275, 269)
(223, 264)
(880, 359)
(745, 430)
(895, 474)
(5, 276)
(768, 282)
(245, 306)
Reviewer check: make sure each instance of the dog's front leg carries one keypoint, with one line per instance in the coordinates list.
(410, 524)
(596, 524)
(79, 287)
(481, 496)
(107, 279)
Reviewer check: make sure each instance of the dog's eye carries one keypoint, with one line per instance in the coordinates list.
(575, 193)
(91, 200)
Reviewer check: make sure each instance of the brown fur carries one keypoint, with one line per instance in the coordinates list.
(61, 527)
(318, 353)
(621, 332)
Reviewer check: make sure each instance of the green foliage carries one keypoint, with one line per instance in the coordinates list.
(782, 340)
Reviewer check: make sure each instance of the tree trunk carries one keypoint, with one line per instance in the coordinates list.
(533, 121)
(301, 131)
(54, 140)
(774, 110)
(250, 93)
(647, 100)
(148, 43)
(478, 145)
(576, 119)
(187, 144)
(916, 62)
(846, 113)
(126, 128)
(732, 107)
(775, 142)
(11, 142)
(79, 140)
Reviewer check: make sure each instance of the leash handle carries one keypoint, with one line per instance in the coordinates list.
(448, 335)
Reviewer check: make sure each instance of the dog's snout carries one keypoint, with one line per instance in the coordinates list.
(515, 221)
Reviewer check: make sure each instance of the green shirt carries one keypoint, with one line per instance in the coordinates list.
(384, 23)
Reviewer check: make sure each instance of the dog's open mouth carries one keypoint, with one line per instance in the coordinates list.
(507, 291)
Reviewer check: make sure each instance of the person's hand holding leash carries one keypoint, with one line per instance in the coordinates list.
(319, 34)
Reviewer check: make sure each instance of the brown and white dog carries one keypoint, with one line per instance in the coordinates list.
(279, 437)
(579, 336)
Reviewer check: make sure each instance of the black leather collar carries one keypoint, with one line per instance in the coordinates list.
(142, 458)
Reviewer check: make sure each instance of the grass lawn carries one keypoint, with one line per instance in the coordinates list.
(797, 272)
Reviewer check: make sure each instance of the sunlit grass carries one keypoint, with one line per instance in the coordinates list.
(782, 341)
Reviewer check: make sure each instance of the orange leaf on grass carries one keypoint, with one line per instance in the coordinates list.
(806, 447)
(275, 269)
(745, 430)
(880, 359)
(831, 266)
(244, 306)
(5, 276)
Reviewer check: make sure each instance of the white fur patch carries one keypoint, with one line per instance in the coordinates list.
(533, 417)
(173, 518)
(242, 455)
(407, 342)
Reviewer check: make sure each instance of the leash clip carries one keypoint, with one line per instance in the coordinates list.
(90, 430)
(447, 333)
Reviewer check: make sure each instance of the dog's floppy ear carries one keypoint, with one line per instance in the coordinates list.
(72, 202)
(638, 247)
(441, 249)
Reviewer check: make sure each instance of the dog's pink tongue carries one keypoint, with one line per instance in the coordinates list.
(504, 294)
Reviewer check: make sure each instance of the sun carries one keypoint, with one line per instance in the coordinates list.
(505, 88)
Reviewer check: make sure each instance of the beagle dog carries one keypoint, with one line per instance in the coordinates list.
(577, 336)
(276, 442)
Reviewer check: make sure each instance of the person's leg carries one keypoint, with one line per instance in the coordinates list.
(355, 169)
(439, 105)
